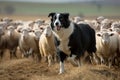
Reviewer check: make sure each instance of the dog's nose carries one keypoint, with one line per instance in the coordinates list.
(56, 23)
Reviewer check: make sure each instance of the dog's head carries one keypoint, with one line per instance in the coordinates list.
(59, 20)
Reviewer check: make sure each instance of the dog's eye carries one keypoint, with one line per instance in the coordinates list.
(61, 19)
(54, 18)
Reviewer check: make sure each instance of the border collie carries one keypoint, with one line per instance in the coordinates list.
(75, 39)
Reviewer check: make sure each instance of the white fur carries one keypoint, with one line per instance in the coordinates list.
(107, 51)
(61, 67)
(57, 20)
(63, 36)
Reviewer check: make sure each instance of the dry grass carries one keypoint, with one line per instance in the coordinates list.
(27, 69)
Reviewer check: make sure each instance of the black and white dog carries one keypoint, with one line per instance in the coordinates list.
(75, 39)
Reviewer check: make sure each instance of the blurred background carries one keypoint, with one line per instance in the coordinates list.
(32, 9)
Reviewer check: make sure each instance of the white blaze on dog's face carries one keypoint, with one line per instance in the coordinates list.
(59, 21)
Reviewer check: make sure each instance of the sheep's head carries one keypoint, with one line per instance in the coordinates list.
(47, 31)
(106, 23)
(37, 33)
(25, 31)
(6, 19)
(10, 30)
(105, 37)
(4, 24)
(100, 19)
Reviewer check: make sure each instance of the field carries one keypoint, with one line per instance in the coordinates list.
(27, 69)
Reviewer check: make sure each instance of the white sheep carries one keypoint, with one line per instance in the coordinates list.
(12, 40)
(28, 44)
(107, 45)
(2, 41)
(47, 45)
(77, 19)
(106, 24)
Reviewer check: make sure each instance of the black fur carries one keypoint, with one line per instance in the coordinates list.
(82, 39)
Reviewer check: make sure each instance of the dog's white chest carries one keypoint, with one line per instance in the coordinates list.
(64, 47)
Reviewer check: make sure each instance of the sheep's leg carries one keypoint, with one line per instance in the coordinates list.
(101, 60)
(79, 62)
(55, 58)
(91, 58)
(110, 61)
(30, 51)
(13, 53)
(1, 54)
(38, 57)
(96, 58)
(50, 60)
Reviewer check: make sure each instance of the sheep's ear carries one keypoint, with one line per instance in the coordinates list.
(19, 30)
(99, 34)
(51, 14)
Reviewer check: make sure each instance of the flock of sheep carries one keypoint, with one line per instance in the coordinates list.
(36, 39)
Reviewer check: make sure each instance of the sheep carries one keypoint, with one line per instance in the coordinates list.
(107, 46)
(37, 33)
(12, 40)
(105, 24)
(100, 19)
(47, 45)
(2, 41)
(77, 19)
(115, 25)
(7, 20)
(34, 24)
(28, 44)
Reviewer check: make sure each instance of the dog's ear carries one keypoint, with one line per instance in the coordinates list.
(51, 14)
(66, 15)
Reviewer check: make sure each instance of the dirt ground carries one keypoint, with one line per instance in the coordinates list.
(27, 69)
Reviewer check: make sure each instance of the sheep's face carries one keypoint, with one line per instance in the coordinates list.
(47, 32)
(10, 30)
(37, 33)
(25, 32)
(105, 37)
